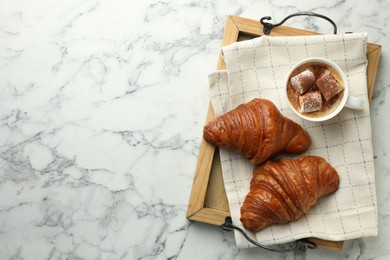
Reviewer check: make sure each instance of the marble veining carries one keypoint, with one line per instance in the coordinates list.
(102, 105)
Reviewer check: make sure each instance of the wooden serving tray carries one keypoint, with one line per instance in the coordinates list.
(208, 202)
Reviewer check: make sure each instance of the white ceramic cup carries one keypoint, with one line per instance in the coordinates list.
(346, 101)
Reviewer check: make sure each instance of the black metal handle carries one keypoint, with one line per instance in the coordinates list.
(268, 26)
(229, 226)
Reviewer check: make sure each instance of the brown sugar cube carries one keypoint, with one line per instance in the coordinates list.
(328, 85)
(310, 102)
(303, 81)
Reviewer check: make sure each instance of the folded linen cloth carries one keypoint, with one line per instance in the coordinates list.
(257, 68)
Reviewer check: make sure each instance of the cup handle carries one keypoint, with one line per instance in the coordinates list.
(354, 103)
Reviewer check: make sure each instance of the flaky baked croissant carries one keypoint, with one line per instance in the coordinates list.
(257, 130)
(282, 191)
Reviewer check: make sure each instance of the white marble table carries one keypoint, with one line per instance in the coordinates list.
(102, 105)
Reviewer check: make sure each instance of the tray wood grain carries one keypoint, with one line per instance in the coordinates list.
(208, 202)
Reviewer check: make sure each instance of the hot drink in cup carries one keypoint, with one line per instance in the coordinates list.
(317, 90)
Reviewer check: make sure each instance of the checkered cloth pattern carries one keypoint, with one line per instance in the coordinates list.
(257, 68)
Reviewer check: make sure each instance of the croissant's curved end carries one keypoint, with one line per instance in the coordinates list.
(299, 143)
(330, 176)
(249, 221)
(214, 134)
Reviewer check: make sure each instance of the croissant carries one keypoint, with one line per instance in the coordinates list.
(257, 130)
(282, 191)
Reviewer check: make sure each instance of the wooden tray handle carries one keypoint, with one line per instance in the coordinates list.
(229, 226)
(268, 26)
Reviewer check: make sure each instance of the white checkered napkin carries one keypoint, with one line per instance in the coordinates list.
(257, 68)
